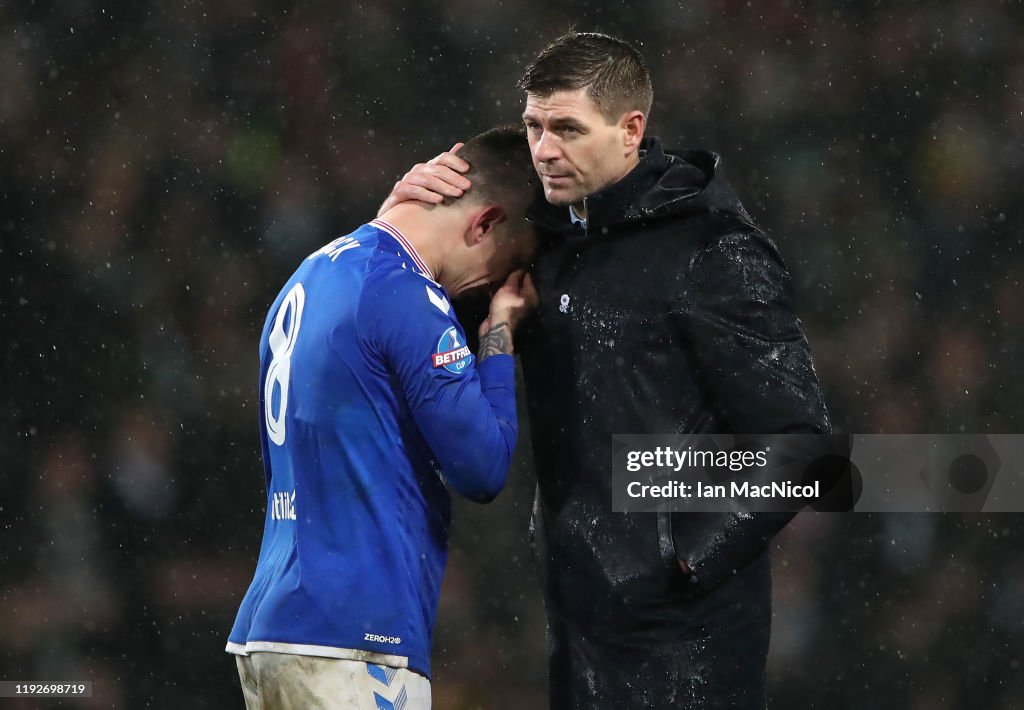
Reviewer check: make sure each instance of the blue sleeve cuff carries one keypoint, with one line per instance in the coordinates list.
(498, 384)
(497, 371)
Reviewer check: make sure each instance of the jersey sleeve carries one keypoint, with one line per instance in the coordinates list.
(465, 410)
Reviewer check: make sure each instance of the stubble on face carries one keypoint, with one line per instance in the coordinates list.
(569, 141)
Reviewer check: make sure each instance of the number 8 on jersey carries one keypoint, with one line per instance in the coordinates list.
(282, 342)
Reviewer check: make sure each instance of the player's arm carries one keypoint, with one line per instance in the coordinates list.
(467, 417)
(738, 320)
(431, 182)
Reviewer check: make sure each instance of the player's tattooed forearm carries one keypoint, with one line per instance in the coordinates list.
(496, 341)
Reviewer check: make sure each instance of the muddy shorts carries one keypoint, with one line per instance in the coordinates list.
(284, 681)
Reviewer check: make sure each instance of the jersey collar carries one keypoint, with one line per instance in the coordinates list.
(406, 245)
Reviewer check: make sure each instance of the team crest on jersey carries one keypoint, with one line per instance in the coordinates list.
(451, 353)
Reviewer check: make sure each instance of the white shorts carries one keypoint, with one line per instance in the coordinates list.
(287, 681)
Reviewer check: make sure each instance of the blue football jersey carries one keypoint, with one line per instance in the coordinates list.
(372, 406)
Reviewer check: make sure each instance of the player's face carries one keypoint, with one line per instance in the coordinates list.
(512, 245)
(575, 150)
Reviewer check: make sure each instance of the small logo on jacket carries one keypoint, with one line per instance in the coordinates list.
(563, 303)
(451, 354)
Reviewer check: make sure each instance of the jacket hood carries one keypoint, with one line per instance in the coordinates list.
(663, 184)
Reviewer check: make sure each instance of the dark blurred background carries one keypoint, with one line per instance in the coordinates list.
(164, 165)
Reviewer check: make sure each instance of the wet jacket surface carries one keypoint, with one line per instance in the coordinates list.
(672, 312)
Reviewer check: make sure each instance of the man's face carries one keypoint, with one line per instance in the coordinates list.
(575, 150)
(514, 246)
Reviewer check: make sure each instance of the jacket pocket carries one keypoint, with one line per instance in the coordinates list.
(666, 544)
(688, 586)
(538, 548)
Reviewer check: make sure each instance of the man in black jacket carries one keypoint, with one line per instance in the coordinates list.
(663, 309)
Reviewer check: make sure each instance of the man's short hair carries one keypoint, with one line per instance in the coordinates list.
(613, 72)
(500, 167)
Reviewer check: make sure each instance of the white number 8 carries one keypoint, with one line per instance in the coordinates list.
(282, 342)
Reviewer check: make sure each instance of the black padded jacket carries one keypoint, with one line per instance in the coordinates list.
(672, 312)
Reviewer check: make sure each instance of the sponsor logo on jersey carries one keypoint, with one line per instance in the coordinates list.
(283, 506)
(378, 638)
(452, 354)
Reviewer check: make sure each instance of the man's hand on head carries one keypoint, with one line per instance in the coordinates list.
(431, 182)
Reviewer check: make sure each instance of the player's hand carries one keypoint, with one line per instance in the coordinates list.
(431, 182)
(515, 300)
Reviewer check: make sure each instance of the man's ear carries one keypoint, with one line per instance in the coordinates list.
(484, 223)
(633, 124)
